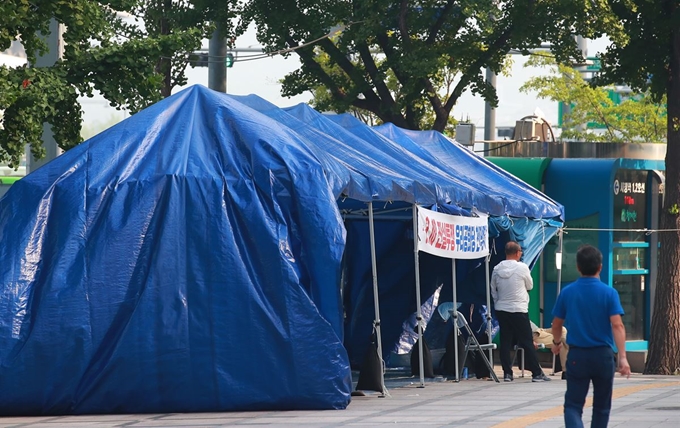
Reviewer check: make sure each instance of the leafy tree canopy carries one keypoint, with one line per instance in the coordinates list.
(418, 43)
(132, 51)
(645, 54)
(636, 119)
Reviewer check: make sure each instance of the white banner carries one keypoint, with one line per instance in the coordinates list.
(452, 236)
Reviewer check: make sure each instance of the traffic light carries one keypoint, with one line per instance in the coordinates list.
(202, 59)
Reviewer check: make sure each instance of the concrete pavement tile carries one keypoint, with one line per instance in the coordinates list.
(77, 419)
(326, 420)
(25, 419)
(180, 423)
(182, 416)
(59, 424)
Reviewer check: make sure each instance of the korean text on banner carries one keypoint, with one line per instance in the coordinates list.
(451, 236)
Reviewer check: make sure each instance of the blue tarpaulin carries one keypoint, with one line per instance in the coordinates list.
(189, 258)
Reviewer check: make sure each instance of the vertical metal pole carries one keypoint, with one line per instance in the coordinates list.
(488, 306)
(376, 304)
(217, 57)
(489, 111)
(419, 316)
(558, 263)
(582, 45)
(454, 314)
(541, 290)
(55, 51)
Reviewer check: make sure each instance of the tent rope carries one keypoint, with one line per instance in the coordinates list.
(645, 230)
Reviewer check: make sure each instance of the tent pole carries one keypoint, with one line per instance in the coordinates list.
(558, 263)
(454, 313)
(488, 306)
(419, 316)
(376, 322)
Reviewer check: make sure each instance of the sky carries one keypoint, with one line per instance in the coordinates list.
(261, 77)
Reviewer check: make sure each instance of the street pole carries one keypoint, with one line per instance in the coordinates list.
(55, 51)
(582, 45)
(217, 54)
(489, 111)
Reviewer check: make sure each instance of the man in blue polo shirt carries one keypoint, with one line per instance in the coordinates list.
(593, 311)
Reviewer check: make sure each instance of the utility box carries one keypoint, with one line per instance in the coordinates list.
(530, 130)
(465, 134)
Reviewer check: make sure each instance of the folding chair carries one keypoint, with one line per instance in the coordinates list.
(519, 350)
(472, 344)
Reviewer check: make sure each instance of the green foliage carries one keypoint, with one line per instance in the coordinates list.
(645, 54)
(393, 58)
(637, 119)
(323, 99)
(132, 51)
(640, 54)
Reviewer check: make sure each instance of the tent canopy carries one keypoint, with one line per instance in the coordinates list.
(188, 258)
(397, 167)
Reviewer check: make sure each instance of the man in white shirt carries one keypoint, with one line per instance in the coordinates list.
(510, 285)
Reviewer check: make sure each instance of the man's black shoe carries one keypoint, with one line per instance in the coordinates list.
(507, 378)
(564, 375)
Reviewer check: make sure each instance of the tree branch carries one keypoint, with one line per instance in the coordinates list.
(358, 78)
(500, 44)
(306, 55)
(403, 29)
(440, 22)
(372, 70)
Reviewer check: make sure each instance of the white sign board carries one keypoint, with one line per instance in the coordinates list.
(451, 236)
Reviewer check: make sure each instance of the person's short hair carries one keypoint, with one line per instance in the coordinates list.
(588, 260)
(512, 248)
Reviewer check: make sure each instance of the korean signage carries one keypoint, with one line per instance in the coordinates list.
(453, 237)
(630, 202)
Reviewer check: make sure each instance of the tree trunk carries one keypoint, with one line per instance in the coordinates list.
(664, 340)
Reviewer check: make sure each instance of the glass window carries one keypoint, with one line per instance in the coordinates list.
(570, 243)
(632, 294)
(629, 258)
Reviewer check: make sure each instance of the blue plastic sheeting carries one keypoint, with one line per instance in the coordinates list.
(518, 198)
(397, 168)
(529, 217)
(186, 259)
(395, 165)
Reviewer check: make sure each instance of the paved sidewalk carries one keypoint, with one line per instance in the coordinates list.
(639, 402)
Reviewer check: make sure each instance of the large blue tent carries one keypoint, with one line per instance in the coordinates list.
(188, 259)
(424, 166)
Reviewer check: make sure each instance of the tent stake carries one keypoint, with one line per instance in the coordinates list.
(376, 304)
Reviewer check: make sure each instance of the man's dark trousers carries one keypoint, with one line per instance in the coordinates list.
(586, 364)
(516, 329)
